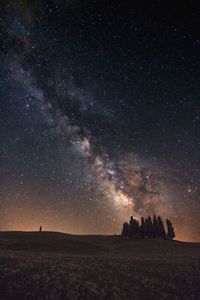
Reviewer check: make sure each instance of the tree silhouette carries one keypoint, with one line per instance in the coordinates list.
(170, 230)
(125, 230)
(161, 229)
(155, 227)
(137, 229)
(132, 227)
(142, 228)
(148, 228)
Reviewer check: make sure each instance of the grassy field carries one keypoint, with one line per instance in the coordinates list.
(52, 265)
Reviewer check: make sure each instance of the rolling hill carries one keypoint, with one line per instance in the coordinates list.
(51, 265)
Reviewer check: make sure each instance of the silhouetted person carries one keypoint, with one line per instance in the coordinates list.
(170, 230)
(40, 229)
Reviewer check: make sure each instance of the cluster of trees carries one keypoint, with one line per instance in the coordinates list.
(148, 228)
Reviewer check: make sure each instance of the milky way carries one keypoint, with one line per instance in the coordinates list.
(93, 128)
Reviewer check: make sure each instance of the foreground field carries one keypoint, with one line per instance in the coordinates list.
(58, 266)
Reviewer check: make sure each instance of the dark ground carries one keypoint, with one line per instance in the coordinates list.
(51, 265)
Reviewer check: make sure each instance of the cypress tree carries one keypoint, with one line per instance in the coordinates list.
(146, 228)
(150, 227)
(155, 227)
(138, 229)
(142, 228)
(170, 230)
(161, 229)
(132, 225)
(134, 228)
(125, 230)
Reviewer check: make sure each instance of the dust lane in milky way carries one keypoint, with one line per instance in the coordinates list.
(99, 117)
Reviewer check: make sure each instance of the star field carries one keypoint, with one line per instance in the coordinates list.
(99, 115)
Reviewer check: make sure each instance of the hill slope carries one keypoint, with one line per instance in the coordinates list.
(92, 244)
(52, 265)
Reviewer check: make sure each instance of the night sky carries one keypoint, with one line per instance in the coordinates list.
(99, 115)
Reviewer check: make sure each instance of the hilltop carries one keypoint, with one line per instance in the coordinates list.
(47, 241)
